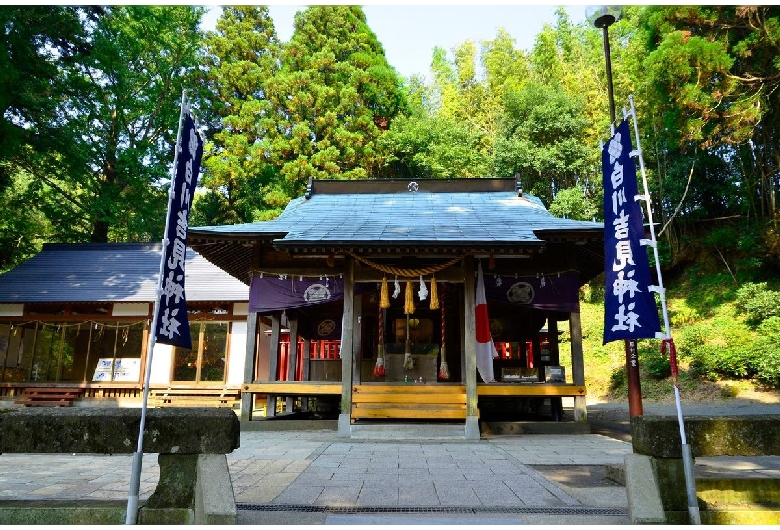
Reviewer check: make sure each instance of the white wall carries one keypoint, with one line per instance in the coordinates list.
(237, 354)
(161, 364)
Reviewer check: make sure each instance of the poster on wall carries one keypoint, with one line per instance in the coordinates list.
(122, 370)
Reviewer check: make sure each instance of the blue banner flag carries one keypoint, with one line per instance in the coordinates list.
(630, 310)
(172, 325)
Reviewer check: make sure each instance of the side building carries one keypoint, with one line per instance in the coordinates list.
(75, 322)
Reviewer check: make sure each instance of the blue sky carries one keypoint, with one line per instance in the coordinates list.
(410, 32)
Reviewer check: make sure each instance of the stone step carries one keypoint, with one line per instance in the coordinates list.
(408, 431)
(755, 515)
(534, 427)
(738, 500)
(731, 491)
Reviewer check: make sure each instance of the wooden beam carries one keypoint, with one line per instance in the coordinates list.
(470, 333)
(306, 367)
(292, 357)
(366, 274)
(357, 338)
(273, 361)
(531, 389)
(297, 388)
(250, 361)
(347, 324)
(577, 365)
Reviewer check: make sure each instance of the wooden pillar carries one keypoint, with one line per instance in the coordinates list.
(292, 359)
(470, 332)
(552, 339)
(273, 362)
(305, 374)
(577, 366)
(357, 339)
(347, 353)
(632, 378)
(537, 354)
(250, 361)
(462, 318)
(556, 403)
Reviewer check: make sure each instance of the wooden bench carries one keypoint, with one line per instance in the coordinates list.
(409, 401)
(194, 397)
(47, 397)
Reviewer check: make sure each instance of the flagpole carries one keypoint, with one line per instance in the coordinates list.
(690, 483)
(135, 475)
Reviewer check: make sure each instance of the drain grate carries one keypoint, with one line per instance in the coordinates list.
(545, 510)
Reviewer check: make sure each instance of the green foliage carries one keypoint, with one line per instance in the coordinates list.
(433, 147)
(573, 203)
(654, 363)
(95, 144)
(766, 353)
(715, 361)
(708, 73)
(683, 316)
(688, 338)
(618, 380)
(240, 56)
(334, 95)
(542, 139)
(757, 357)
(758, 302)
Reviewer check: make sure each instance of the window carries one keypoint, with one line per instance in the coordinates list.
(207, 359)
(67, 351)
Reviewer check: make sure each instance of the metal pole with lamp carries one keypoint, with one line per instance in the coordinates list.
(602, 17)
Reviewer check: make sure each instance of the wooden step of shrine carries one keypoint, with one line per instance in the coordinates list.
(194, 397)
(409, 401)
(47, 397)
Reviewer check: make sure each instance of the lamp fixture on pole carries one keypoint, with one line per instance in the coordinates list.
(603, 17)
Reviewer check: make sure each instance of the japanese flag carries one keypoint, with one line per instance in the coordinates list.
(486, 351)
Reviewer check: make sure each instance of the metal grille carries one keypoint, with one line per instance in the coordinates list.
(546, 510)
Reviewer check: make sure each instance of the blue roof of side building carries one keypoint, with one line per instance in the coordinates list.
(111, 272)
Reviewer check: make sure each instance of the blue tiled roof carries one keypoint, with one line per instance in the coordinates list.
(422, 217)
(111, 272)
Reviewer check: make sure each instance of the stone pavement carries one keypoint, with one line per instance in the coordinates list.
(314, 477)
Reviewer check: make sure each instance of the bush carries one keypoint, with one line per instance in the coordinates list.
(689, 338)
(730, 361)
(766, 353)
(757, 302)
(683, 316)
(654, 362)
(618, 379)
